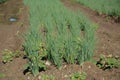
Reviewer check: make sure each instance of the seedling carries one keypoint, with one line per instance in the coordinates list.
(78, 76)
(108, 62)
(9, 55)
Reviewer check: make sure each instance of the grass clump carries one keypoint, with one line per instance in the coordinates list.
(110, 7)
(64, 35)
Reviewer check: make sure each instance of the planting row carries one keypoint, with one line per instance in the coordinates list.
(57, 34)
(110, 7)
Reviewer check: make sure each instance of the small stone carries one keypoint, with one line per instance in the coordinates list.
(89, 67)
(17, 32)
(48, 63)
(66, 76)
(28, 78)
(65, 66)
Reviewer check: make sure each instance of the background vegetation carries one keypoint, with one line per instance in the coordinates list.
(110, 7)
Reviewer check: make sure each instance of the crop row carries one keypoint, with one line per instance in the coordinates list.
(57, 34)
(110, 7)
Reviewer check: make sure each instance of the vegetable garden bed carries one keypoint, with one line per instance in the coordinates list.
(57, 34)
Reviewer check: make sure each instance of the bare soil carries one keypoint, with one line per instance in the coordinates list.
(11, 37)
(108, 42)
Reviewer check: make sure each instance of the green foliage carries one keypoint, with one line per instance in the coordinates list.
(9, 55)
(78, 76)
(108, 62)
(67, 36)
(35, 51)
(2, 1)
(2, 75)
(110, 7)
(46, 77)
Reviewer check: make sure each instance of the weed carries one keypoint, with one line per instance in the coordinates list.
(78, 76)
(108, 62)
(9, 55)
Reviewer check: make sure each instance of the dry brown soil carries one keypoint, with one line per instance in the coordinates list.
(108, 42)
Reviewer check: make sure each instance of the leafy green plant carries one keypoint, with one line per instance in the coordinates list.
(46, 77)
(9, 55)
(78, 76)
(108, 62)
(2, 75)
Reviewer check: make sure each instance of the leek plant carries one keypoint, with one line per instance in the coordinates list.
(67, 36)
(110, 7)
(35, 51)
